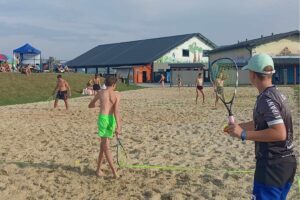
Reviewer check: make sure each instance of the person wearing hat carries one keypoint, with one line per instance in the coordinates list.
(272, 131)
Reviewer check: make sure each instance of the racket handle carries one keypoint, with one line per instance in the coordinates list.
(230, 119)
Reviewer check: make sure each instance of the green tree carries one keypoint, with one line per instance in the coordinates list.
(193, 48)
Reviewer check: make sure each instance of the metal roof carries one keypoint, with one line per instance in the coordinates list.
(123, 67)
(187, 65)
(255, 42)
(287, 60)
(132, 53)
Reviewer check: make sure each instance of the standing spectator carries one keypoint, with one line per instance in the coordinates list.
(162, 80)
(96, 83)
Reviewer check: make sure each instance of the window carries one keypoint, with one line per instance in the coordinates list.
(185, 53)
(205, 53)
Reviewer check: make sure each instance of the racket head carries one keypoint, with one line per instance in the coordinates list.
(121, 154)
(224, 77)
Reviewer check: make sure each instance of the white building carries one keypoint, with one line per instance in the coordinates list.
(284, 48)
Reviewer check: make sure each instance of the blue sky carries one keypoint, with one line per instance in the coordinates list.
(67, 28)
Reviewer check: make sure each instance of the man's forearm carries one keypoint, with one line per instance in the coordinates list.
(249, 126)
(267, 135)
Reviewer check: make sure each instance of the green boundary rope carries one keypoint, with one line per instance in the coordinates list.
(178, 168)
(158, 167)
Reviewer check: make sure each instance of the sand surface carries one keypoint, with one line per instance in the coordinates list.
(51, 154)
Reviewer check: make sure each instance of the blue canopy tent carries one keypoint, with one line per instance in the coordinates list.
(27, 54)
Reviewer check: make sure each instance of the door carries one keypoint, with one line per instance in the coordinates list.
(144, 76)
(206, 76)
(285, 76)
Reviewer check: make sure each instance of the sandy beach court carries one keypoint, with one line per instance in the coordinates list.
(51, 154)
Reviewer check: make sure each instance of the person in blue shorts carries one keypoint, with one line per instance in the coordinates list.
(272, 131)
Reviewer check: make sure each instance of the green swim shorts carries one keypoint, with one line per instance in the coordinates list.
(106, 126)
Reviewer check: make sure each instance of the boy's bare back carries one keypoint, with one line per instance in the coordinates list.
(108, 100)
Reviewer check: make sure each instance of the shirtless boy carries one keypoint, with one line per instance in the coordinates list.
(199, 87)
(63, 91)
(96, 84)
(219, 87)
(179, 82)
(109, 121)
(162, 80)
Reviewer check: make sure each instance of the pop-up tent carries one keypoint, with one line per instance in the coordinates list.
(27, 54)
(3, 57)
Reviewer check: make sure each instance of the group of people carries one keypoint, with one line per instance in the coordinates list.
(271, 128)
(62, 69)
(63, 90)
(5, 67)
(94, 85)
(28, 69)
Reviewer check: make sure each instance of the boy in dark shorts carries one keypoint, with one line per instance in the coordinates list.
(272, 131)
(96, 84)
(179, 82)
(109, 121)
(219, 87)
(199, 87)
(63, 91)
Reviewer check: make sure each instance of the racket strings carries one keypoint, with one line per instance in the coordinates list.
(121, 155)
(230, 83)
(224, 76)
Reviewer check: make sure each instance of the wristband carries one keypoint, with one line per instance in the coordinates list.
(244, 136)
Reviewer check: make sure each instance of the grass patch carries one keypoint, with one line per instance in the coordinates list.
(16, 88)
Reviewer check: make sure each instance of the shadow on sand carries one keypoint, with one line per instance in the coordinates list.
(79, 168)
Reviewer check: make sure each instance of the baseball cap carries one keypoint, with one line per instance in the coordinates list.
(258, 62)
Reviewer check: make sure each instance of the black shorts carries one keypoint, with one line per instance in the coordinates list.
(220, 90)
(199, 87)
(62, 95)
(96, 87)
(275, 172)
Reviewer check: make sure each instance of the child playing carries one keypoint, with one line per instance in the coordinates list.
(179, 82)
(162, 80)
(109, 121)
(272, 131)
(63, 90)
(199, 87)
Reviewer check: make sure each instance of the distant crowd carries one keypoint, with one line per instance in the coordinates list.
(27, 69)
(5, 67)
(94, 85)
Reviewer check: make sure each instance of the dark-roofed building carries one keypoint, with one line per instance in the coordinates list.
(284, 49)
(143, 60)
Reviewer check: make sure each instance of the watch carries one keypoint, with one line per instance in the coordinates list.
(244, 136)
